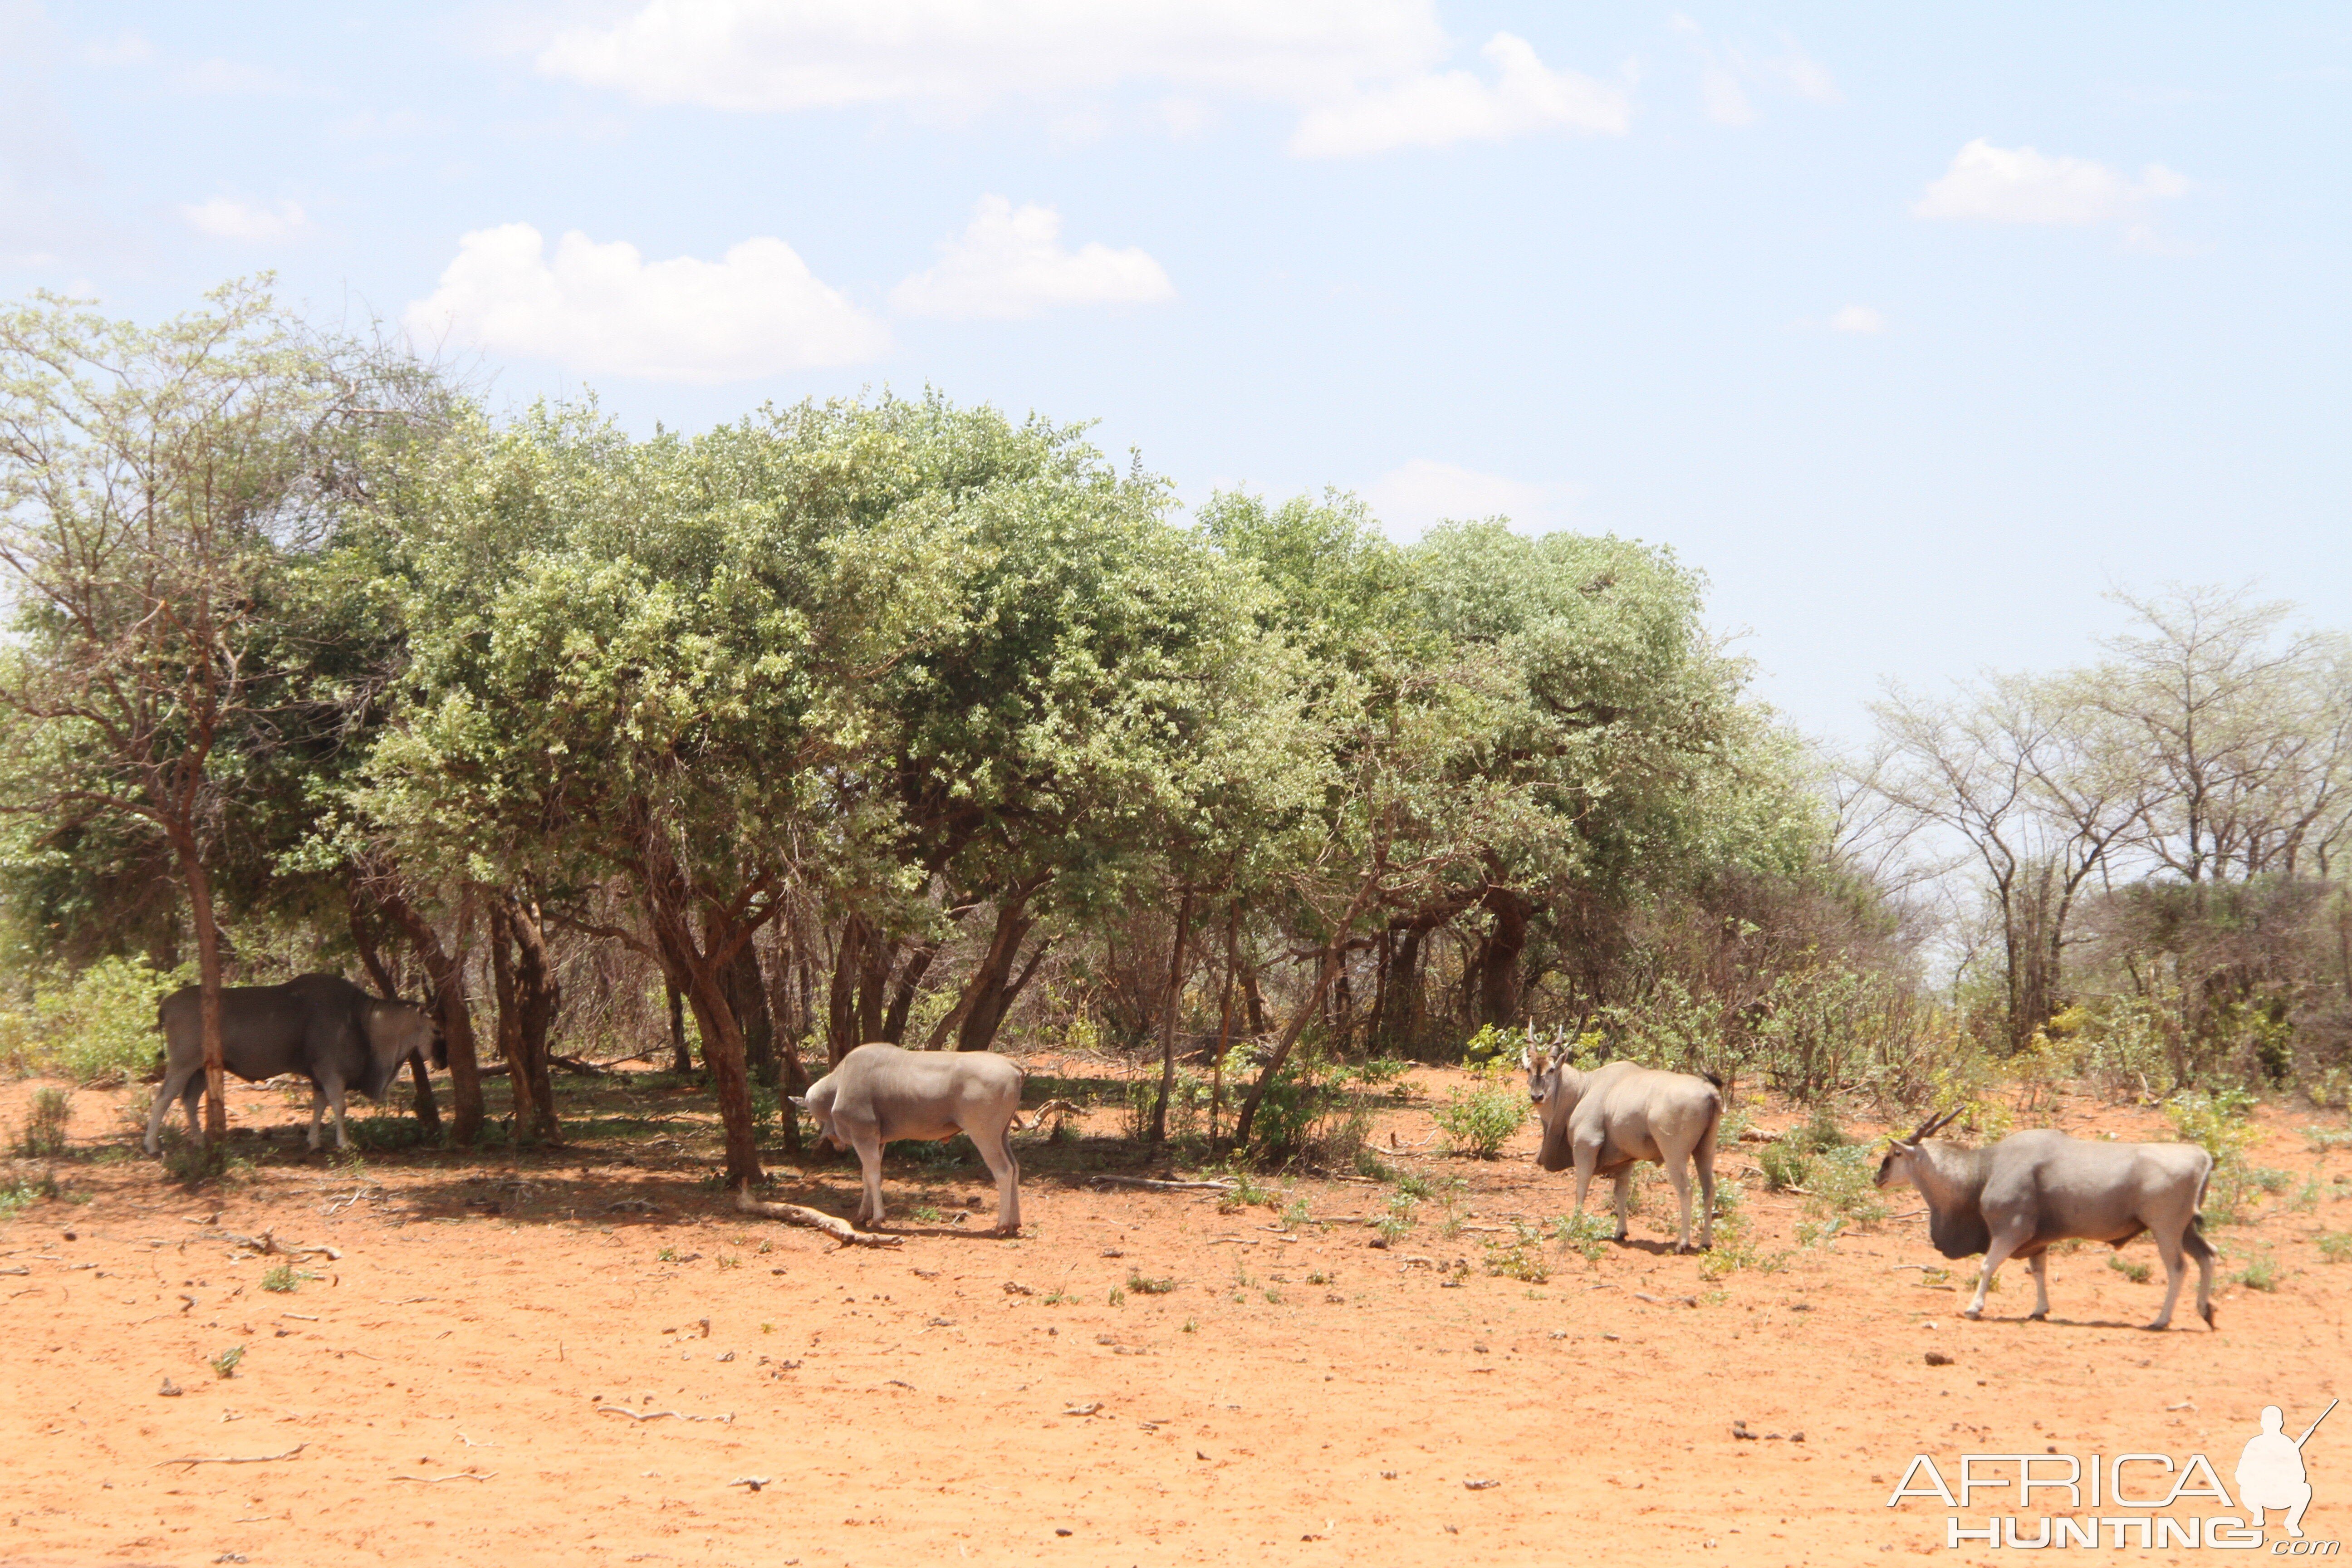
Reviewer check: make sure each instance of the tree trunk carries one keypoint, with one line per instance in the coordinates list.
(1327, 964)
(538, 996)
(1498, 998)
(842, 1033)
(681, 1060)
(208, 976)
(428, 1113)
(448, 972)
(902, 999)
(747, 997)
(993, 986)
(507, 1023)
(1402, 1004)
(697, 968)
(1168, 1019)
(1224, 1018)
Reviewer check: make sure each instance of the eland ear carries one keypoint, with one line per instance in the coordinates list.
(800, 1102)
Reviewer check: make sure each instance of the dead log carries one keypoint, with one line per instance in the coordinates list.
(815, 1219)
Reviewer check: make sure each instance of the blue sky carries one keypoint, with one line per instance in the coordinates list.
(1916, 330)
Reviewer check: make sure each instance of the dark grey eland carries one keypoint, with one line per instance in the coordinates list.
(320, 1026)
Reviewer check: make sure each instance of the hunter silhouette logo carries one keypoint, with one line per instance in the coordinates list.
(2124, 1499)
(2269, 1472)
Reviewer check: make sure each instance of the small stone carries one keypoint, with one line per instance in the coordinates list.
(170, 1390)
(726, 1355)
(1059, 1530)
(1938, 1358)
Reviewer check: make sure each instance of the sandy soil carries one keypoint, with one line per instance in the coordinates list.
(477, 1372)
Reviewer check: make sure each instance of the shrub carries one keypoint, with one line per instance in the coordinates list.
(193, 1164)
(1785, 1166)
(98, 1028)
(45, 1124)
(2261, 1273)
(1843, 1189)
(2130, 1269)
(1520, 1257)
(224, 1365)
(1588, 1233)
(1143, 1286)
(2218, 1122)
(1397, 1219)
(1479, 1121)
(23, 1191)
(2336, 1246)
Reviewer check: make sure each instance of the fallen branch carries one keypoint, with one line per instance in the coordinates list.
(815, 1219)
(454, 1475)
(1159, 1186)
(269, 1245)
(657, 1414)
(234, 1460)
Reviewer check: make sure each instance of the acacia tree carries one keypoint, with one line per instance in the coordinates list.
(652, 662)
(2245, 731)
(153, 485)
(2025, 773)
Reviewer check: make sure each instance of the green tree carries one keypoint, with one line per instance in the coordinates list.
(154, 485)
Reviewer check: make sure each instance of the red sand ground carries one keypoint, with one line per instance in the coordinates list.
(445, 1390)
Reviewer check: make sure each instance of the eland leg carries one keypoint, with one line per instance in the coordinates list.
(1704, 1158)
(2041, 1287)
(1679, 1179)
(1583, 1181)
(318, 1110)
(2193, 1242)
(1624, 1190)
(2003, 1245)
(335, 1103)
(998, 1153)
(170, 1090)
(867, 1141)
(2176, 1271)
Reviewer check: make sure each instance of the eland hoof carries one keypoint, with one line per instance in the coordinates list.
(1973, 1314)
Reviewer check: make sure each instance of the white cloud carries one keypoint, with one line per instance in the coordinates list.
(226, 217)
(767, 55)
(1724, 99)
(1727, 70)
(1433, 110)
(1010, 264)
(1365, 72)
(1423, 492)
(1857, 319)
(2017, 185)
(604, 309)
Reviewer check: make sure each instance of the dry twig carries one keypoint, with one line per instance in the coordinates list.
(234, 1460)
(815, 1219)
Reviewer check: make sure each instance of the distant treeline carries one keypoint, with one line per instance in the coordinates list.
(898, 719)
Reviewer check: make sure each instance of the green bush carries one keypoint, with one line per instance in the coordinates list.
(23, 1191)
(1845, 1190)
(44, 1136)
(97, 1029)
(1785, 1165)
(1519, 1257)
(1479, 1121)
